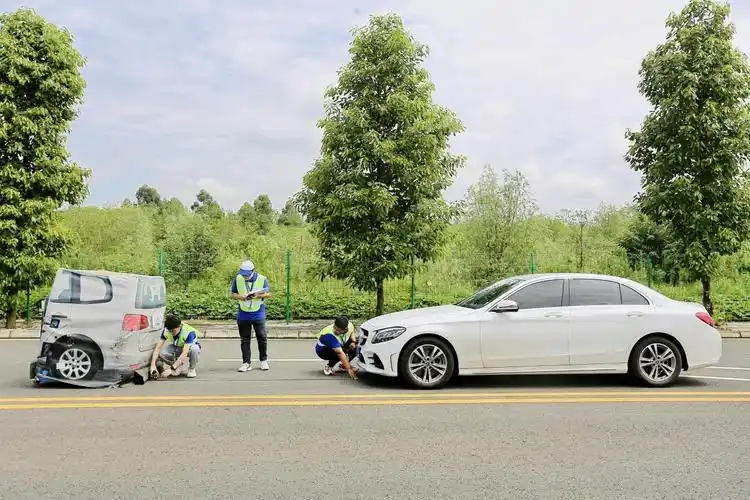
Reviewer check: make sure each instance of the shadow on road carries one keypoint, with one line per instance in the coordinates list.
(531, 382)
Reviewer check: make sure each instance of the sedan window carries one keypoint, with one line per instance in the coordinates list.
(537, 295)
(594, 292)
(489, 294)
(632, 298)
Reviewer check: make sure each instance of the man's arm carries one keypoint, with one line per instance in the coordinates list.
(189, 341)
(155, 354)
(264, 295)
(344, 358)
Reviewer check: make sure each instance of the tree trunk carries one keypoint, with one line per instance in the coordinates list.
(706, 283)
(380, 300)
(10, 316)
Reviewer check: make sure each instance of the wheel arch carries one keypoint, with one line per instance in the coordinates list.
(77, 338)
(434, 336)
(665, 336)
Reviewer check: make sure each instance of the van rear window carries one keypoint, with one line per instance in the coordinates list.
(152, 294)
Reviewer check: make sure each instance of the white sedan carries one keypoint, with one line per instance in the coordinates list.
(544, 323)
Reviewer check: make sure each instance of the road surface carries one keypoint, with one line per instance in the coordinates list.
(291, 433)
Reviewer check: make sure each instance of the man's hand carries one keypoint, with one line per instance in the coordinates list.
(352, 372)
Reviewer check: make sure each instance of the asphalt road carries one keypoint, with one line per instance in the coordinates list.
(291, 433)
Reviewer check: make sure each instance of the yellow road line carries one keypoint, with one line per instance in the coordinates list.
(439, 395)
(380, 402)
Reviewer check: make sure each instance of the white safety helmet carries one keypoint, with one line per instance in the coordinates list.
(247, 267)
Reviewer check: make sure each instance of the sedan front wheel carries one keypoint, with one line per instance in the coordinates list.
(426, 363)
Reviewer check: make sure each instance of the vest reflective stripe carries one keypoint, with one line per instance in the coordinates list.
(253, 305)
(182, 336)
(343, 337)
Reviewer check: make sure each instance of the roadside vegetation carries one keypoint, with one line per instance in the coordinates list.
(370, 231)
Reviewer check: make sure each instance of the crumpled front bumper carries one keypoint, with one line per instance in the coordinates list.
(41, 371)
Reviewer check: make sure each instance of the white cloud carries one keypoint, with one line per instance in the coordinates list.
(225, 96)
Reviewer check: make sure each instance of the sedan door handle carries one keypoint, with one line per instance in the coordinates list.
(553, 315)
(635, 314)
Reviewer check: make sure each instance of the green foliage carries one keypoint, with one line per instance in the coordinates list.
(693, 146)
(496, 215)
(290, 216)
(110, 238)
(148, 195)
(265, 217)
(40, 90)
(374, 197)
(193, 248)
(206, 206)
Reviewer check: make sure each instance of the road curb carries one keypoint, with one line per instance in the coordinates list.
(303, 331)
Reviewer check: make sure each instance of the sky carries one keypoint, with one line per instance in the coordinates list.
(225, 95)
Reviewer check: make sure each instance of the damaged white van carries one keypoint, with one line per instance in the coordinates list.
(99, 328)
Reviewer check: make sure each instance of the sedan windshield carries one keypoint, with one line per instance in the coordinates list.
(489, 294)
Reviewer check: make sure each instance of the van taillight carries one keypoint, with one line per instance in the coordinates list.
(134, 322)
(706, 318)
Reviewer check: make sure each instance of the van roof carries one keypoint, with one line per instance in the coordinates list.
(103, 272)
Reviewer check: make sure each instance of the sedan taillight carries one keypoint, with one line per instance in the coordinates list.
(706, 318)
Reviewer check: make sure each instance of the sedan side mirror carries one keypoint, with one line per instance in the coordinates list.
(505, 306)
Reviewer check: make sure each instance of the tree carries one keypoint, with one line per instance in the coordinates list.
(246, 214)
(495, 213)
(206, 206)
(374, 198)
(148, 196)
(264, 213)
(41, 89)
(290, 216)
(579, 218)
(648, 242)
(693, 146)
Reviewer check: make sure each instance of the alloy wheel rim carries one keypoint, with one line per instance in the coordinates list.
(428, 363)
(657, 362)
(74, 364)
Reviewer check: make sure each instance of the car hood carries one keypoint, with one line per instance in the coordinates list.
(414, 317)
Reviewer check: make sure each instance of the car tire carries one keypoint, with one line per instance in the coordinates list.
(436, 359)
(655, 362)
(77, 361)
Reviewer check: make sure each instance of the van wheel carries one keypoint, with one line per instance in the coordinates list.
(78, 362)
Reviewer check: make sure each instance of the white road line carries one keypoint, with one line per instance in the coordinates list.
(740, 368)
(289, 360)
(735, 379)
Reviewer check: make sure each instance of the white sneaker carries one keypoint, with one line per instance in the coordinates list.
(192, 373)
(327, 370)
(245, 367)
(264, 365)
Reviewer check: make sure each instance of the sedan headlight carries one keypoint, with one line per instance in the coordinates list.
(386, 334)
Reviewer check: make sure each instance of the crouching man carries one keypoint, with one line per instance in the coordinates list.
(337, 344)
(177, 348)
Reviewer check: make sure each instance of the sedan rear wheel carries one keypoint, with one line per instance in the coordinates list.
(656, 361)
(426, 363)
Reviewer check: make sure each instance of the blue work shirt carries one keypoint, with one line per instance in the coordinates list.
(260, 314)
(329, 341)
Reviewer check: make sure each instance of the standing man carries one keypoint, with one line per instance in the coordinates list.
(251, 290)
(337, 344)
(178, 342)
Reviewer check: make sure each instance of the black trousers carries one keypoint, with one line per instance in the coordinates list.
(332, 357)
(246, 328)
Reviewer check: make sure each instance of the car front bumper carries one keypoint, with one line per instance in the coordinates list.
(380, 358)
